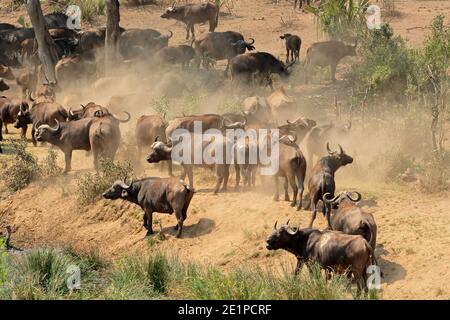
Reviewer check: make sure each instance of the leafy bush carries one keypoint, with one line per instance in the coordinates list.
(340, 19)
(90, 186)
(24, 170)
(49, 167)
(385, 67)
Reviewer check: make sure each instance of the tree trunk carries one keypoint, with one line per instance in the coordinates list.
(46, 46)
(112, 34)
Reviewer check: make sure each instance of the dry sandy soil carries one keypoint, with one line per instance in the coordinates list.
(230, 229)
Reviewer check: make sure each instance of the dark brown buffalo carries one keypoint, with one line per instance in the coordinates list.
(292, 167)
(99, 135)
(142, 42)
(49, 113)
(246, 66)
(333, 251)
(10, 41)
(322, 180)
(222, 45)
(3, 85)
(9, 109)
(349, 218)
(293, 44)
(180, 54)
(162, 195)
(327, 53)
(319, 136)
(148, 128)
(192, 14)
(161, 151)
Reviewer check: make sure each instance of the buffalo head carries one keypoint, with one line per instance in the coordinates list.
(341, 157)
(45, 133)
(159, 152)
(118, 190)
(282, 237)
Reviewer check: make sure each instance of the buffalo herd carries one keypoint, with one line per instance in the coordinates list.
(345, 246)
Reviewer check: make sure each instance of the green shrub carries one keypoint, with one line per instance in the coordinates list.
(49, 167)
(340, 19)
(90, 186)
(385, 67)
(24, 169)
(38, 274)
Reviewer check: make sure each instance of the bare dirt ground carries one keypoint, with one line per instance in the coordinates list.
(230, 229)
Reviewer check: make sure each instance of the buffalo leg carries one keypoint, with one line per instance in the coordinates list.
(24, 132)
(294, 187)
(313, 214)
(226, 175)
(287, 55)
(298, 267)
(192, 31)
(33, 138)
(68, 160)
(333, 72)
(169, 168)
(190, 175)
(180, 218)
(187, 31)
(149, 213)
(145, 221)
(6, 128)
(301, 187)
(277, 194)
(237, 168)
(285, 186)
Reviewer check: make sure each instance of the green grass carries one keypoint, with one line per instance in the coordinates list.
(42, 274)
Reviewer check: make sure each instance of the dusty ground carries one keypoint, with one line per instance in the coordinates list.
(229, 229)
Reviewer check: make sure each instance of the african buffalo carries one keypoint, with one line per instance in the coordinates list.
(48, 113)
(261, 64)
(192, 14)
(180, 54)
(292, 167)
(142, 42)
(327, 53)
(333, 251)
(293, 44)
(349, 218)
(222, 45)
(163, 195)
(322, 181)
(161, 151)
(148, 128)
(101, 135)
(9, 109)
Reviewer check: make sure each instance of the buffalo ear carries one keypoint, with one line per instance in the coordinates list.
(124, 194)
